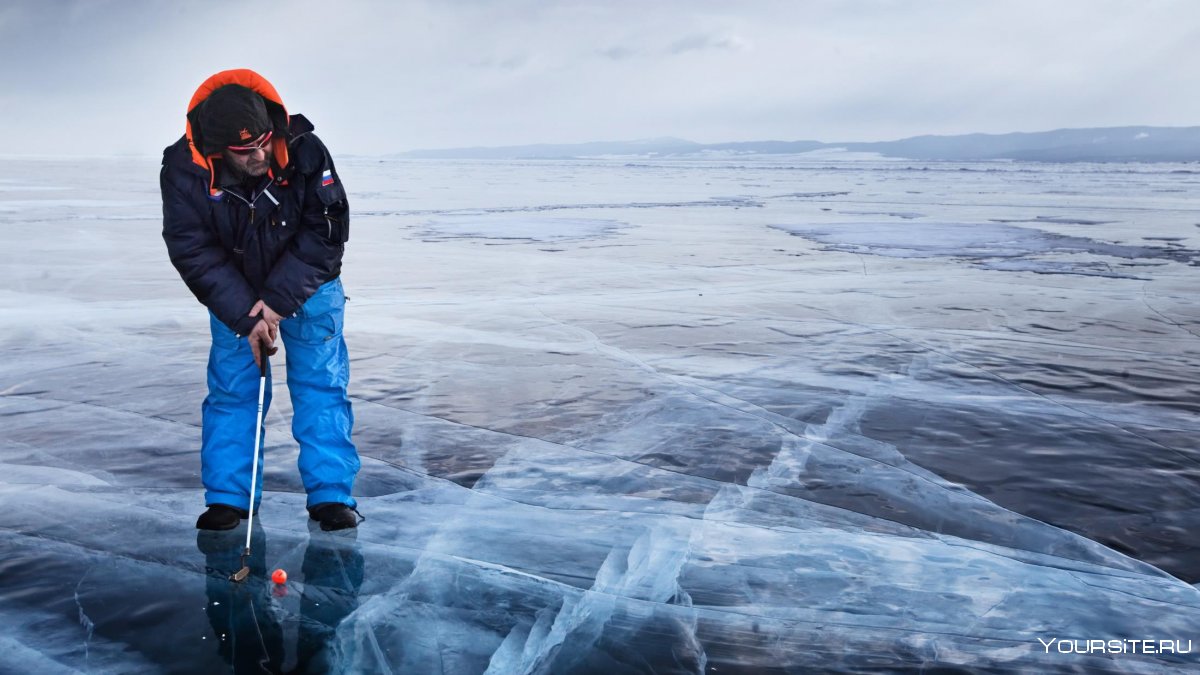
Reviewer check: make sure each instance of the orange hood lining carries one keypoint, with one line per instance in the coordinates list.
(251, 80)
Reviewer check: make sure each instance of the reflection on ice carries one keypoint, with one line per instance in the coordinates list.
(679, 441)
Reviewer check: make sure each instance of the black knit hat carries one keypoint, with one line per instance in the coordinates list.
(231, 115)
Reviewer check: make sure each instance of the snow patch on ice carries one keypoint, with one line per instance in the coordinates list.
(996, 245)
(22, 474)
(520, 228)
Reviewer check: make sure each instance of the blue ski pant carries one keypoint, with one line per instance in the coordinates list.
(318, 371)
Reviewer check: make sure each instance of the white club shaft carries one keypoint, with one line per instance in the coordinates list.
(262, 388)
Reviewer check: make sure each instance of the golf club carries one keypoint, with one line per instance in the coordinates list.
(263, 366)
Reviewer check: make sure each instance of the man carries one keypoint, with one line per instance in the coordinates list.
(255, 220)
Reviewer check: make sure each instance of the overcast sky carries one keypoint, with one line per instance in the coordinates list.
(101, 77)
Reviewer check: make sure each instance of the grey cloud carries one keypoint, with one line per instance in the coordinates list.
(514, 62)
(618, 53)
(691, 43)
(696, 43)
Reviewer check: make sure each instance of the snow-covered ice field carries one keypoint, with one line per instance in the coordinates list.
(798, 415)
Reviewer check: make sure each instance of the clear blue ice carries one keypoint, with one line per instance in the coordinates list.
(724, 416)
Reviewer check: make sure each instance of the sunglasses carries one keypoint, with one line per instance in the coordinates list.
(259, 143)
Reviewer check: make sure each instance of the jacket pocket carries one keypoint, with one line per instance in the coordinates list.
(337, 211)
(322, 317)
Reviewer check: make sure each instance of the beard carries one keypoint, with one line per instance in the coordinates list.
(248, 167)
(257, 169)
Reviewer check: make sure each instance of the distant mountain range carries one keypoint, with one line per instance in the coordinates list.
(1112, 144)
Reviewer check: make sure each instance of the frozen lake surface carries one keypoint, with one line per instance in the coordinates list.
(648, 416)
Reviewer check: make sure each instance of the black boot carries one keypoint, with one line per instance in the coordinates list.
(333, 516)
(220, 517)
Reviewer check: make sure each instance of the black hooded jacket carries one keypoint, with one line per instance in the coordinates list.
(277, 240)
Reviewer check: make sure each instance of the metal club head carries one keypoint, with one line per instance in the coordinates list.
(240, 575)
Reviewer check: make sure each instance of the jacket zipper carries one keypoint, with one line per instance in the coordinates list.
(246, 231)
(249, 231)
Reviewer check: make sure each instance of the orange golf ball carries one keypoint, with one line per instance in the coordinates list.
(279, 576)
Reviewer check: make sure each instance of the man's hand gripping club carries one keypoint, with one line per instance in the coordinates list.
(263, 335)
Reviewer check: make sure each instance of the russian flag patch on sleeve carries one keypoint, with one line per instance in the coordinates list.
(327, 178)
